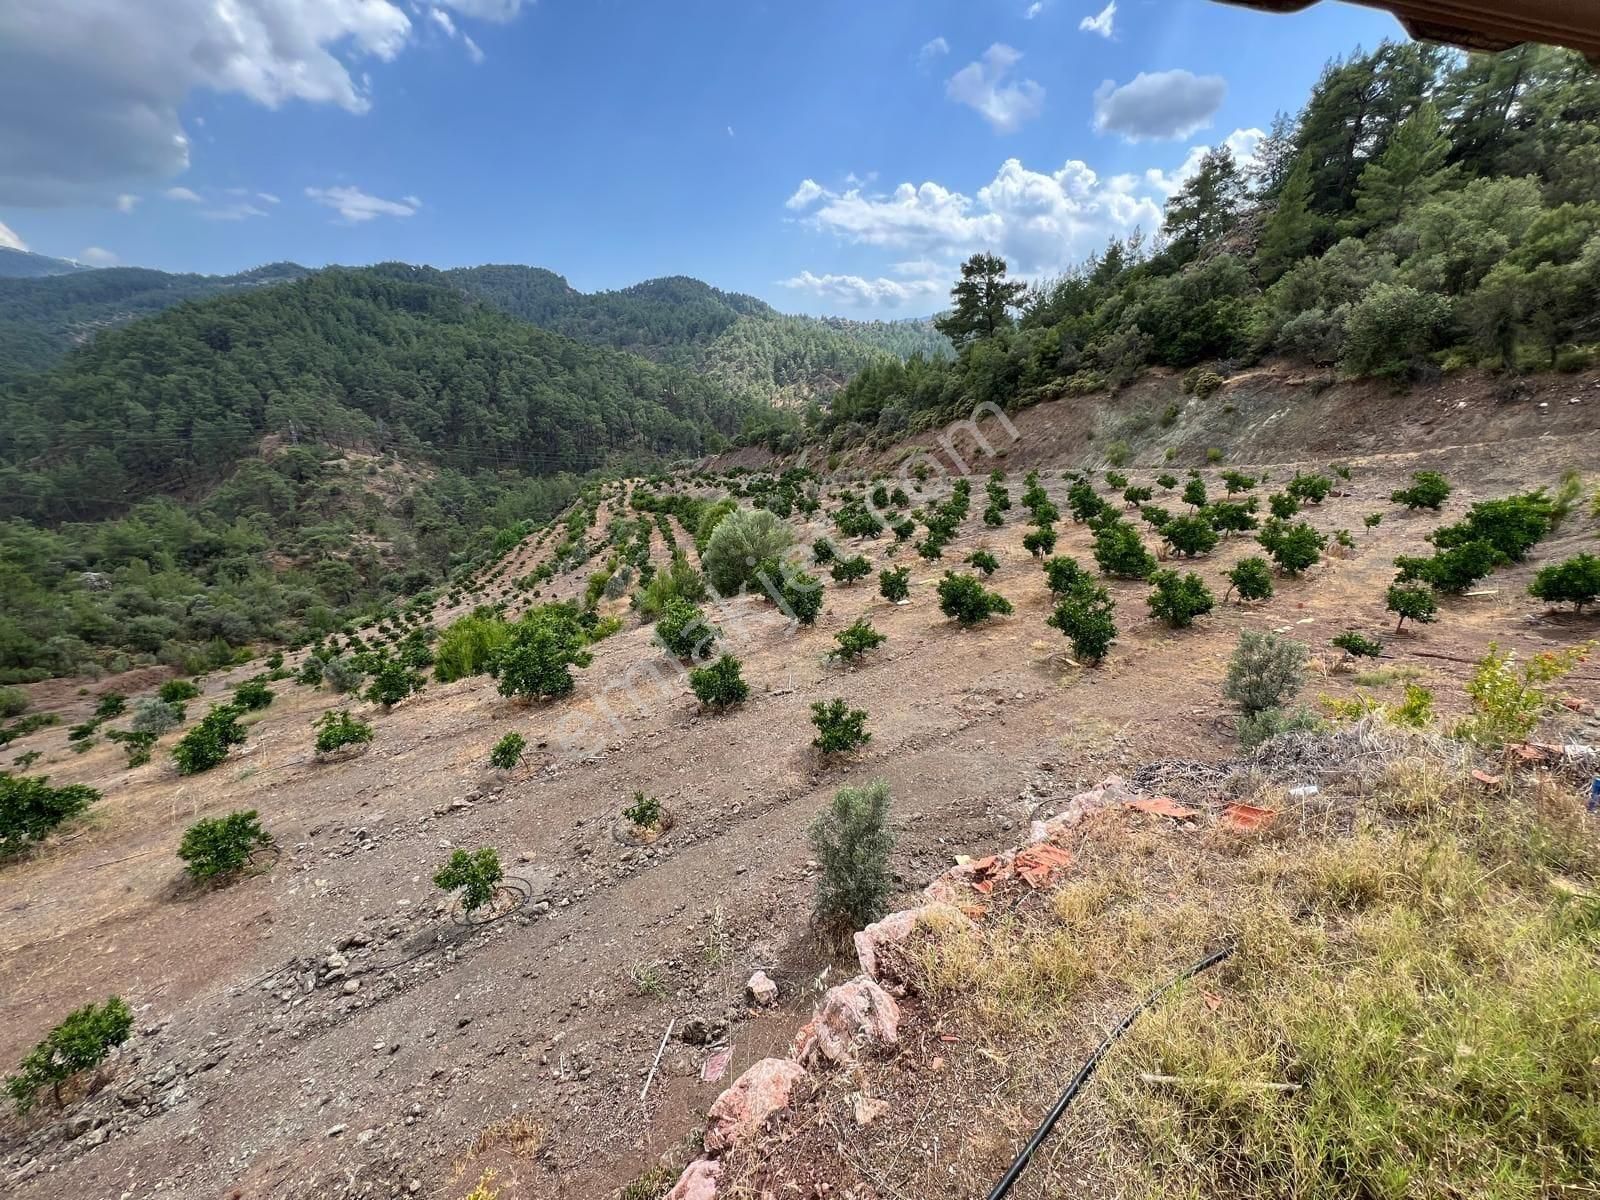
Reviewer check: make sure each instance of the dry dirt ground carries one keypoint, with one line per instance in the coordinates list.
(325, 1028)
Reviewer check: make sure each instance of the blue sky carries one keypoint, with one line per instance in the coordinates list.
(828, 156)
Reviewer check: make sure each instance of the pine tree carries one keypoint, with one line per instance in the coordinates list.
(981, 302)
(1291, 231)
(1411, 169)
(1208, 205)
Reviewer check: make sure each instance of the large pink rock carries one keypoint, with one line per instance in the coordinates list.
(854, 1018)
(880, 936)
(698, 1181)
(764, 1089)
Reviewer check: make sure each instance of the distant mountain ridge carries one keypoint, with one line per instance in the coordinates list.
(741, 342)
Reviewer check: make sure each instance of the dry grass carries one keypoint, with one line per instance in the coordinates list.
(1425, 979)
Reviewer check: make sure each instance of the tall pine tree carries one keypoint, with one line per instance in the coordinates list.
(1411, 169)
(1292, 230)
(981, 302)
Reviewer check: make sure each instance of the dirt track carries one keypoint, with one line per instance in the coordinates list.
(544, 1015)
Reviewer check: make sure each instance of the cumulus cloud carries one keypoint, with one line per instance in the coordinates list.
(127, 202)
(1041, 221)
(1102, 23)
(982, 86)
(443, 21)
(1163, 106)
(937, 48)
(1034, 10)
(187, 195)
(9, 239)
(808, 191)
(355, 206)
(860, 292)
(91, 90)
(1243, 142)
(96, 256)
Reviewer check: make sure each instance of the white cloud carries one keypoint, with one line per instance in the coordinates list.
(96, 256)
(126, 202)
(9, 239)
(355, 206)
(1041, 222)
(808, 191)
(860, 292)
(1034, 10)
(1164, 106)
(267, 198)
(1101, 24)
(182, 193)
(240, 211)
(91, 90)
(1243, 142)
(443, 21)
(475, 54)
(937, 48)
(981, 85)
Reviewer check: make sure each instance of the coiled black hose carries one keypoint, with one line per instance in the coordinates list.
(1020, 1164)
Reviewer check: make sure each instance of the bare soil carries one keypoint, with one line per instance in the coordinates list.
(257, 1070)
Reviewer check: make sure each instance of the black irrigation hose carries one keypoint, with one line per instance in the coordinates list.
(1020, 1164)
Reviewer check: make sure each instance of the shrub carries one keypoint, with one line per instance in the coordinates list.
(719, 685)
(1575, 582)
(856, 639)
(475, 875)
(680, 581)
(983, 562)
(13, 702)
(1207, 384)
(1039, 542)
(1063, 574)
(796, 593)
(740, 541)
(1507, 703)
(822, 552)
(1357, 645)
(851, 840)
(1084, 614)
(337, 729)
(968, 601)
(1116, 480)
(1454, 570)
(1194, 492)
(151, 715)
(644, 813)
(1119, 552)
(684, 631)
(1236, 482)
(895, 584)
(176, 691)
(1166, 481)
(1410, 603)
(507, 752)
(1256, 728)
(206, 745)
(1390, 329)
(848, 570)
(221, 845)
(83, 1040)
(112, 704)
(31, 808)
(1513, 525)
(252, 695)
(392, 682)
(1252, 578)
(1264, 672)
(342, 675)
(1428, 489)
(1372, 520)
(1282, 506)
(904, 529)
(840, 728)
(1178, 600)
(994, 516)
(1295, 548)
(1190, 536)
(1309, 489)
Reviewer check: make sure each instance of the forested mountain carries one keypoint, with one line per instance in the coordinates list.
(42, 318)
(1423, 213)
(736, 339)
(176, 487)
(24, 264)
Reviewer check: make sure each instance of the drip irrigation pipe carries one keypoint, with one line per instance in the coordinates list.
(1020, 1163)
